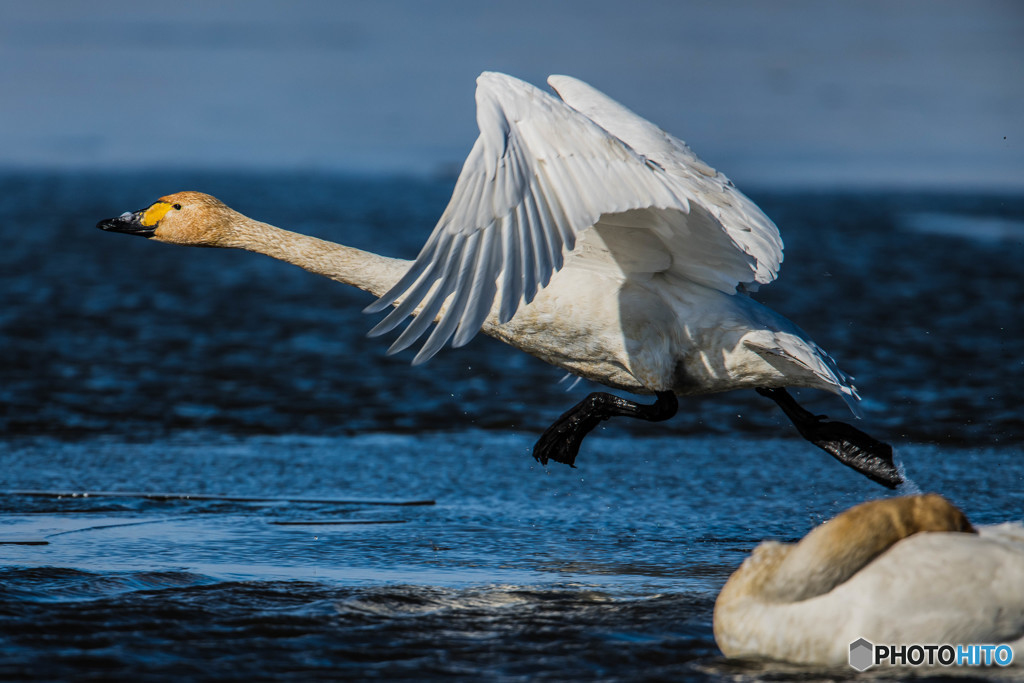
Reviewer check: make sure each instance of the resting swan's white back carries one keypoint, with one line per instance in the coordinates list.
(896, 571)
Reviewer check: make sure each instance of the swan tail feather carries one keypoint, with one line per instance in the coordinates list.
(797, 357)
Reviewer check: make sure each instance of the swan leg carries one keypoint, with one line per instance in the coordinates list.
(848, 445)
(561, 441)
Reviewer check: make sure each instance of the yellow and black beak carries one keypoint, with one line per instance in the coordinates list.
(143, 222)
(128, 223)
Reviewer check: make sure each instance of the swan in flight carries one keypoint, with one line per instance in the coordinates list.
(898, 571)
(586, 236)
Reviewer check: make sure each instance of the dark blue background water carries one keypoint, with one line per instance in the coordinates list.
(137, 367)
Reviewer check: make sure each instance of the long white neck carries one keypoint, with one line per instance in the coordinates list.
(367, 271)
(530, 330)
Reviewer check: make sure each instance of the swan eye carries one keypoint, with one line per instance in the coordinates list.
(177, 207)
(154, 213)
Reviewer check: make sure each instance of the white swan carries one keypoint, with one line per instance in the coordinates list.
(588, 237)
(898, 571)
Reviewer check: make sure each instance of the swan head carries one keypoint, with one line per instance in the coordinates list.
(779, 602)
(187, 218)
(833, 552)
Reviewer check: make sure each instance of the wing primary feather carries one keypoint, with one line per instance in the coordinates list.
(415, 270)
(515, 272)
(462, 295)
(550, 219)
(510, 170)
(554, 232)
(419, 290)
(511, 274)
(481, 290)
(454, 274)
(528, 278)
(469, 216)
(553, 240)
(534, 252)
(435, 342)
(414, 329)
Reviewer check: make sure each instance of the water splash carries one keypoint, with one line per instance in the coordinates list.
(909, 487)
(572, 385)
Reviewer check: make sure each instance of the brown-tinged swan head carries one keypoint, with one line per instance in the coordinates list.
(901, 570)
(833, 552)
(186, 218)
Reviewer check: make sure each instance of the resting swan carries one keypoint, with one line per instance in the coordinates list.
(586, 236)
(899, 571)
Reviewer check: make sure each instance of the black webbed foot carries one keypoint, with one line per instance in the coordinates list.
(847, 444)
(561, 441)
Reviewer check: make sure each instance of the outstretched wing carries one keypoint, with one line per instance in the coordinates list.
(539, 174)
(727, 209)
(542, 172)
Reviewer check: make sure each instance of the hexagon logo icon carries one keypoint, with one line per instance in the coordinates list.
(862, 654)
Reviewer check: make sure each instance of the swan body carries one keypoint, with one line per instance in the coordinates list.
(906, 570)
(584, 235)
(632, 238)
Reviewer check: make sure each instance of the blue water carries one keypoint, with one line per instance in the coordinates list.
(134, 367)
